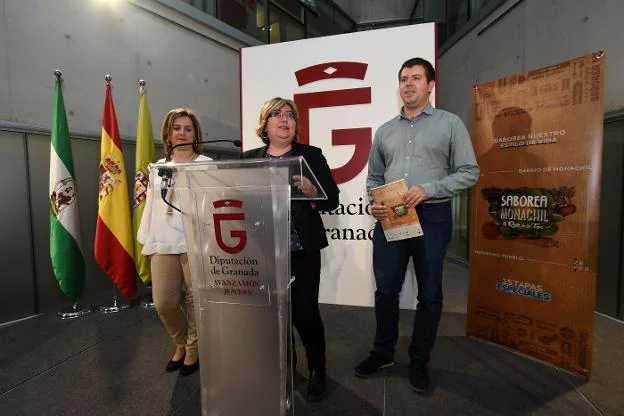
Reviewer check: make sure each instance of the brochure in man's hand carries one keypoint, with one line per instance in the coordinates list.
(402, 222)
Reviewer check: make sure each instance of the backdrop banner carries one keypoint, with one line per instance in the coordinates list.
(345, 87)
(535, 211)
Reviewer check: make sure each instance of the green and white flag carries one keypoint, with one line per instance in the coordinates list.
(65, 245)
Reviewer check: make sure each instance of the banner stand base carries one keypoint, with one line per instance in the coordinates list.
(529, 357)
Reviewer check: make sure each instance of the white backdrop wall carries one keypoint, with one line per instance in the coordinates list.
(269, 70)
(184, 63)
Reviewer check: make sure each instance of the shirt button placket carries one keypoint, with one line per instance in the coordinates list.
(407, 157)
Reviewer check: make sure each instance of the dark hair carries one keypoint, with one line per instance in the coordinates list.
(170, 117)
(429, 71)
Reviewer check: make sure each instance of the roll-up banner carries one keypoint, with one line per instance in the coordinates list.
(535, 211)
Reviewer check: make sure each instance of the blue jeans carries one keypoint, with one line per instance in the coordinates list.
(390, 261)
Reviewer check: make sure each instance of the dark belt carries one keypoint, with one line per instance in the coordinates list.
(437, 202)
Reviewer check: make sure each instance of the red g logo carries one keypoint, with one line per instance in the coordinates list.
(360, 137)
(241, 235)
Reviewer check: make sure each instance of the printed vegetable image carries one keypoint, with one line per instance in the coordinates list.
(562, 198)
(490, 230)
(399, 210)
(567, 210)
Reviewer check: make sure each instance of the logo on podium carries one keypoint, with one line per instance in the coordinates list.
(237, 235)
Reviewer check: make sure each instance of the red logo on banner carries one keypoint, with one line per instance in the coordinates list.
(361, 137)
(241, 235)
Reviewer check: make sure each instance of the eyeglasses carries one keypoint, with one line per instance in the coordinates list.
(288, 115)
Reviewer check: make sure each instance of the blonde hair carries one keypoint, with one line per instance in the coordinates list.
(275, 104)
(168, 124)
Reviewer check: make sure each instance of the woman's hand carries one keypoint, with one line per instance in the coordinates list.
(305, 186)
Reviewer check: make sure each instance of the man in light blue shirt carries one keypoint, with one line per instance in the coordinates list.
(432, 151)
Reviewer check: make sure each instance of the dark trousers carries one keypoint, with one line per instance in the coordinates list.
(390, 261)
(306, 267)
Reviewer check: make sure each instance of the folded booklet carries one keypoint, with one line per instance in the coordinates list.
(402, 222)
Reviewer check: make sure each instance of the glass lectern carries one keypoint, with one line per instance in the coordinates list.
(237, 226)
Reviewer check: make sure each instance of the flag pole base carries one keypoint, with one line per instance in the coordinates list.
(74, 312)
(115, 307)
(148, 302)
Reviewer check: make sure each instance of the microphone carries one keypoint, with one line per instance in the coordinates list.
(166, 174)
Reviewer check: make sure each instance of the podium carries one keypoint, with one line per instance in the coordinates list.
(236, 217)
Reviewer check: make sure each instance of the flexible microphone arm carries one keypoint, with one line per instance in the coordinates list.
(167, 173)
(236, 143)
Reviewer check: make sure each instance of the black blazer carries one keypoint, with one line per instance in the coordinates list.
(305, 214)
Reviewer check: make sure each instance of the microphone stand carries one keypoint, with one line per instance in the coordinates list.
(167, 173)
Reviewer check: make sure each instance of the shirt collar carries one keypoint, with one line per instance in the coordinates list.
(427, 110)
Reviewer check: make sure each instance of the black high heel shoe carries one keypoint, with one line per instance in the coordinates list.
(174, 365)
(186, 370)
(316, 385)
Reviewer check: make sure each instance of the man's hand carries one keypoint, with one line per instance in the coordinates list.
(380, 212)
(414, 196)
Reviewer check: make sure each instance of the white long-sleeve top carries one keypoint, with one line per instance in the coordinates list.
(160, 232)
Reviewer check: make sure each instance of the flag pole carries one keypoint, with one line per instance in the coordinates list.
(76, 310)
(116, 305)
(148, 300)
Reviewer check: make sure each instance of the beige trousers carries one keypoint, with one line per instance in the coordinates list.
(168, 271)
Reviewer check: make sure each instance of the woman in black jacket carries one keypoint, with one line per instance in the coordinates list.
(278, 129)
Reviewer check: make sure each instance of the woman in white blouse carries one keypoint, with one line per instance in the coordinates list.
(162, 235)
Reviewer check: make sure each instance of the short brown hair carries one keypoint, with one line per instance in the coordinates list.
(168, 124)
(429, 70)
(275, 104)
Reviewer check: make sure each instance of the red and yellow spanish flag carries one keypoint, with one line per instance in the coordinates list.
(113, 233)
